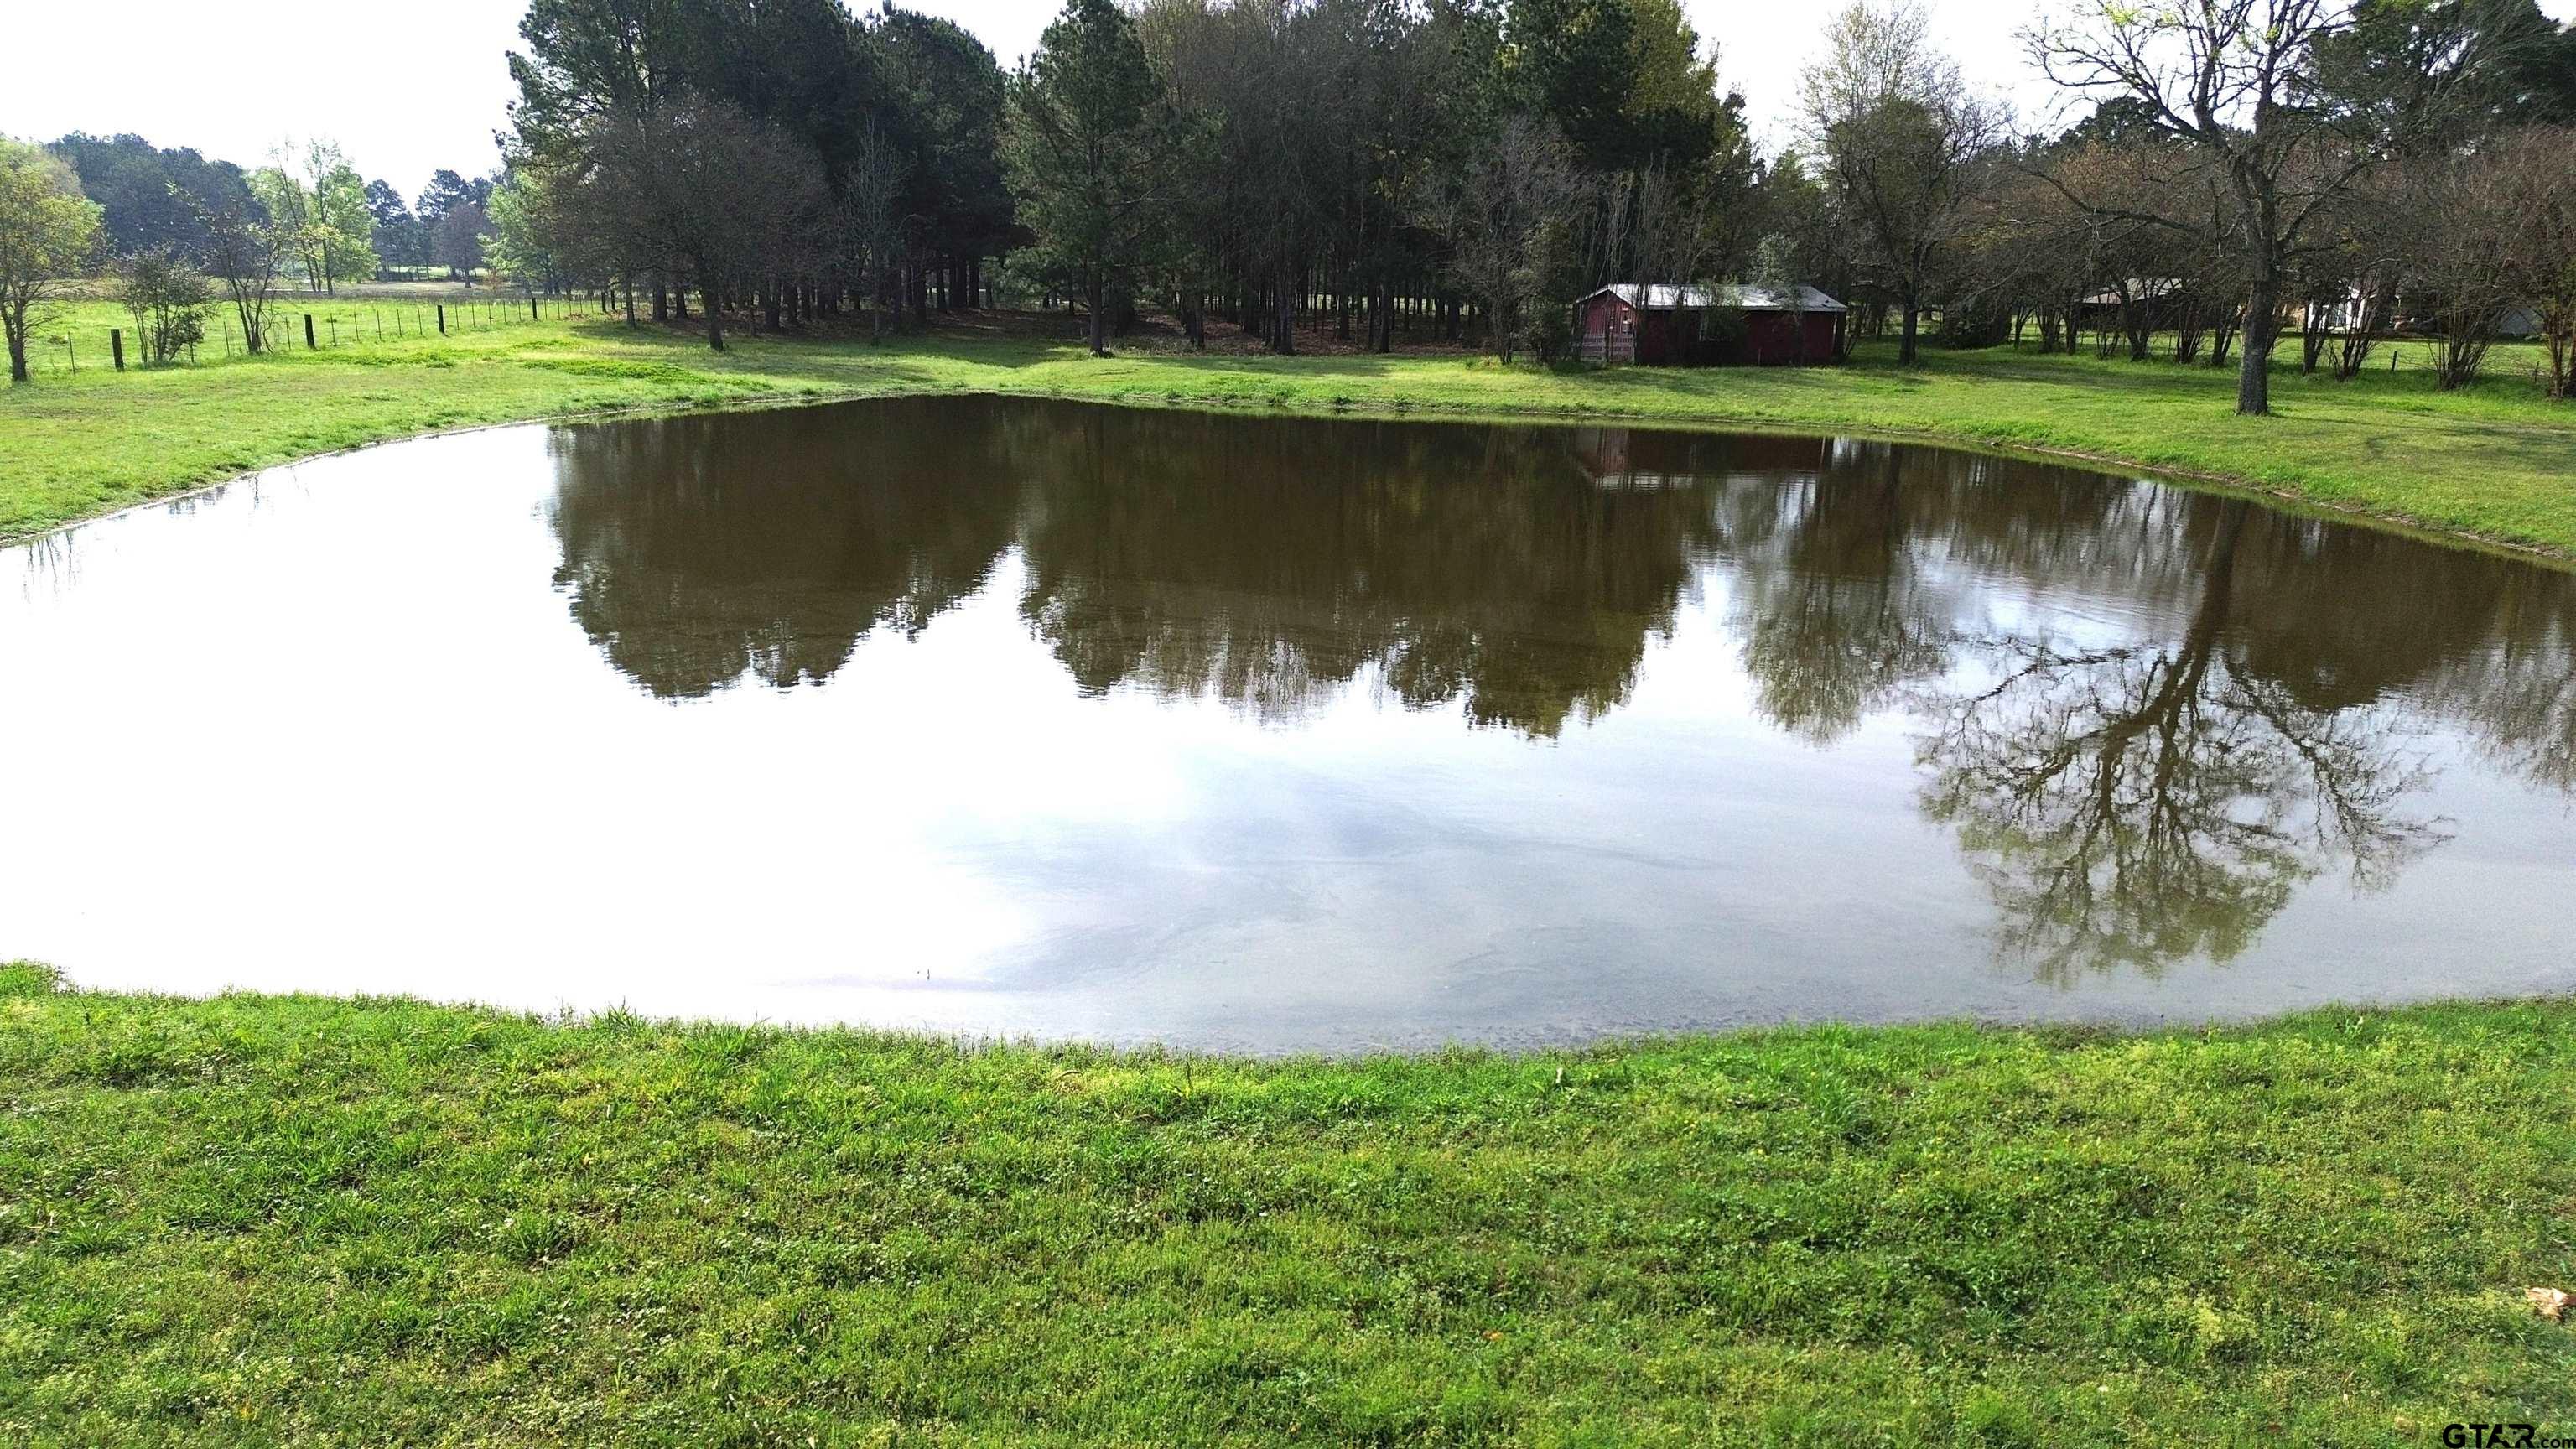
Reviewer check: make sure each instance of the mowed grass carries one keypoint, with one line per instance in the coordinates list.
(280, 1220)
(2496, 460)
(74, 337)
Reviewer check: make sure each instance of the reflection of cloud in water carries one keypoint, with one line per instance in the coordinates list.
(2148, 716)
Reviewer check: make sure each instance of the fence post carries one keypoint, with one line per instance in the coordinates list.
(308, 332)
(116, 346)
(442, 319)
(532, 308)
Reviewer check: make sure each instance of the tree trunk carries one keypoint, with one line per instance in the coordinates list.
(1913, 326)
(1099, 317)
(2254, 355)
(1285, 342)
(17, 354)
(714, 308)
(2258, 216)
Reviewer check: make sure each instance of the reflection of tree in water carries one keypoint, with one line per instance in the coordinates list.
(2520, 695)
(1835, 615)
(2344, 617)
(1259, 562)
(2135, 795)
(1267, 563)
(2136, 804)
(700, 551)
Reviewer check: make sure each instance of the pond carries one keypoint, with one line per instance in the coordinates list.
(1031, 718)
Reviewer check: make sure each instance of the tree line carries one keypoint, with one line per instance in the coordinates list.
(1372, 166)
(1464, 169)
(169, 200)
(1461, 171)
(180, 235)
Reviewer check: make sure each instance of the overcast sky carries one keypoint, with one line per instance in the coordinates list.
(407, 89)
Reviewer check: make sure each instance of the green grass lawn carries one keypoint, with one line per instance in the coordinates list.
(2496, 460)
(74, 339)
(281, 1220)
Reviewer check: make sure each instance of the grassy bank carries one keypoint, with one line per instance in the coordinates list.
(2496, 460)
(283, 1220)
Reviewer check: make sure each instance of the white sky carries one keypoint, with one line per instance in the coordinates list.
(407, 89)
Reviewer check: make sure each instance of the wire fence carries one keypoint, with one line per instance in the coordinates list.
(95, 335)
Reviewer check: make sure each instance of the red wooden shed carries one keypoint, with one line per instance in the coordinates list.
(1667, 326)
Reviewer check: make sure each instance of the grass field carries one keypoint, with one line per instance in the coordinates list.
(2496, 460)
(277, 1220)
(75, 339)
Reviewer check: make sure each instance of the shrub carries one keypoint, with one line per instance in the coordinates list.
(168, 298)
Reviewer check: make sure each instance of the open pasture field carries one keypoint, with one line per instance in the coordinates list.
(76, 338)
(2496, 460)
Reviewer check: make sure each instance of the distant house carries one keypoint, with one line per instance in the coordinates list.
(2160, 296)
(1666, 326)
(2342, 312)
(2405, 313)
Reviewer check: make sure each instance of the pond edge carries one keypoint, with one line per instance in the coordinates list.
(2289, 500)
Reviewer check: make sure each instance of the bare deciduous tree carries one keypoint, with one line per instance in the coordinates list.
(1902, 142)
(868, 218)
(1498, 214)
(2260, 89)
(710, 189)
(2455, 233)
(243, 250)
(2535, 177)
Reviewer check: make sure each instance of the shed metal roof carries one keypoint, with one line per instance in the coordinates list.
(1663, 297)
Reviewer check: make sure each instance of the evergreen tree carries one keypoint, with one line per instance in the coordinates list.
(1080, 150)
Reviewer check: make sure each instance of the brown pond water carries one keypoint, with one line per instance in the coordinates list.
(1032, 718)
